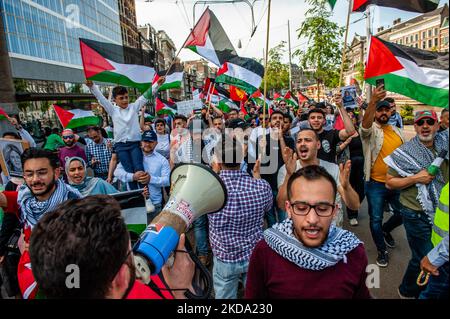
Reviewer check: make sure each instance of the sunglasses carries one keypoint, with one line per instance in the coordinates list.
(68, 137)
(428, 120)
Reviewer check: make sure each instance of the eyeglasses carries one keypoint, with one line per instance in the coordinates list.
(303, 209)
(68, 137)
(428, 120)
(41, 174)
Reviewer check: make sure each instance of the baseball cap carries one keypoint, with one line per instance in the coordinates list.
(149, 136)
(425, 114)
(382, 104)
(235, 123)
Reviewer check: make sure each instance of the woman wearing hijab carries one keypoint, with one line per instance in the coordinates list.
(76, 175)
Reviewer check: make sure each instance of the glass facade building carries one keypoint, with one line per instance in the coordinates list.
(47, 31)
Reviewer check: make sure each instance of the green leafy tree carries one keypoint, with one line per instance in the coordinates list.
(20, 85)
(277, 72)
(359, 67)
(324, 44)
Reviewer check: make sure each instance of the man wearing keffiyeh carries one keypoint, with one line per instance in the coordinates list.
(42, 192)
(306, 256)
(419, 190)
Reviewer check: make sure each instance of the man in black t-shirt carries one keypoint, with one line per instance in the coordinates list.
(330, 139)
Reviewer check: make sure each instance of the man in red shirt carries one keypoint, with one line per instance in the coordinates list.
(84, 244)
(306, 256)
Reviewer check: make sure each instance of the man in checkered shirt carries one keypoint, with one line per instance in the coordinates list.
(99, 152)
(235, 230)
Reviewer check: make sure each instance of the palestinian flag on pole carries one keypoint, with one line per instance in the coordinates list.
(75, 118)
(174, 77)
(244, 73)
(277, 96)
(110, 63)
(332, 3)
(165, 107)
(290, 99)
(258, 98)
(209, 40)
(419, 74)
(302, 97)
(422, 6)
(3, 115)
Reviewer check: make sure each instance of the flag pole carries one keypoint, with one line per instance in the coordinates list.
(266, 57)
(369, 34)
(341, 75)
(192, 30)
(209, 97)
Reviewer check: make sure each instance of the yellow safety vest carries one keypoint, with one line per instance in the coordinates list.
(440, 226)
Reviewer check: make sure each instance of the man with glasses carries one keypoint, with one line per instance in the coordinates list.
(70, 149)
(307, 256)
(379, 140)
(42, 192)
(419, 190)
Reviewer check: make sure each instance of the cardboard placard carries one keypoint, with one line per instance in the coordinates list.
(10, 156)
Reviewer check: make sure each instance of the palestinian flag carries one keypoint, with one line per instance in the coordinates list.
(165, 107)
(3, 115)
(258, 98)
(244, 73)
(302, 97)
(110, 63)
(332, 3)
(237, 94)
(76, 117)
(419, 74)
(290, 99)
(223, 103)
(209, 40)
(243, 109)
(174, 77)
(422, 6)
(277, 96)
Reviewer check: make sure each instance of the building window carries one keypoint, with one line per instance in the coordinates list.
(446, 41)
(430, 33)
(417, 37)
(430, 43)
(400, 41)
(436, 42)
(424, 34)
(424, 45)
(436, 31)
(411, 38)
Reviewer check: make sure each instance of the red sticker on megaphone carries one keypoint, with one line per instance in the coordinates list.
(184, 208)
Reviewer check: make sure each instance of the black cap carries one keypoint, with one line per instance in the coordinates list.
(383, 103)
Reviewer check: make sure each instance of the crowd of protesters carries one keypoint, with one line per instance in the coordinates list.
(286, 161)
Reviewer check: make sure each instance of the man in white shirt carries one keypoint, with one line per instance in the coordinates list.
(125, 117)
(156, 174)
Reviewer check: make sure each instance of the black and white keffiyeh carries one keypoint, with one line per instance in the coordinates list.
(32, 209)
(339, 243)
(411, 158)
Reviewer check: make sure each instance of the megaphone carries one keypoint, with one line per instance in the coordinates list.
(195, 190)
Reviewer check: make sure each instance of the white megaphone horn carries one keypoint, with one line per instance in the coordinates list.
(195, 190)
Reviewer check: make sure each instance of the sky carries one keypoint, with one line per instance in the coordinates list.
(176, 18)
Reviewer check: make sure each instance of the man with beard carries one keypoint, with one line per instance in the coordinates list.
(42, 192)
(70, 149)
(307, 256)
(307, 148)
(90, 234)
(329, 139)
(419, 190)
(271, 146)
(379, 140)
(443, 125)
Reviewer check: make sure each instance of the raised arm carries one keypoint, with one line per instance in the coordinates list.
(377, 95)
(349, 128)
(106, 104)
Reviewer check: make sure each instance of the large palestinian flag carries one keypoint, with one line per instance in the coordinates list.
(174, 77)
(407, 5)
(209, 40)
(165, 107)
(419, 74)
(75, 118)
(244, 73)
(110, 63)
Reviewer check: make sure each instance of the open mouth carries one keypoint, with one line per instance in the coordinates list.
(312, 233)
(303, 152)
